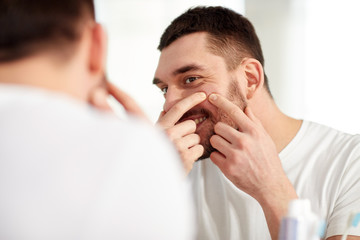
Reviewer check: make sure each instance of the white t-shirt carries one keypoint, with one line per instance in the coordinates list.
(323, 165)
(68, 171)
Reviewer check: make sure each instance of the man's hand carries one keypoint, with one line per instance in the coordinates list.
(183, 134)
(126, 101)
(99, 96)
(248, 158)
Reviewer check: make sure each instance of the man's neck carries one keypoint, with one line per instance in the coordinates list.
(37, 71)
(281, 128)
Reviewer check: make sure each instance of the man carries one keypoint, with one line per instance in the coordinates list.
(67, 169)
(253, 159)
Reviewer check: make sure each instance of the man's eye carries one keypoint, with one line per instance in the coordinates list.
(191, 79)
(164, 90)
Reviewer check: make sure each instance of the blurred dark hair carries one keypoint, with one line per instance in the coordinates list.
(231, 35)
(29, 26)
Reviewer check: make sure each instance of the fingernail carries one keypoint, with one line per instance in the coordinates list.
(202, 95)
(213, 97)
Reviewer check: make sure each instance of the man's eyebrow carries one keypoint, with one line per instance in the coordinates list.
(187, 68)
(156, 81)
(184, 69)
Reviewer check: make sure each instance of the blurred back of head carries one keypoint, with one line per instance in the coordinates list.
(29, 27)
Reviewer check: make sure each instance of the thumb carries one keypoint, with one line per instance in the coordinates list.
(98, 98)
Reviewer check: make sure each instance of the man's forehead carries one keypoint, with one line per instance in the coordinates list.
(188, 53)
(194, 42)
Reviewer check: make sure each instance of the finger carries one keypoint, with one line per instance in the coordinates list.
(98, 98)
(234, 112)
(225, 131)
(126, 101)
(187, 142)
(196, 152)
(182, 129)
(191, 155)
(181, 107)
(220, 144)
(218, 159)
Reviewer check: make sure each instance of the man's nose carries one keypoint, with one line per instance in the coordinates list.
(173, 96)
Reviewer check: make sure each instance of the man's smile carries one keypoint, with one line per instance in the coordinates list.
(199, 120)
(197, 115)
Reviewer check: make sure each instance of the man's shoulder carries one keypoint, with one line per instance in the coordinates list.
(330, 140)
(33, 115)
(318, 142)
(322, 133)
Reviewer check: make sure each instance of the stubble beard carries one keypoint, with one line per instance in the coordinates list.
(207, 130)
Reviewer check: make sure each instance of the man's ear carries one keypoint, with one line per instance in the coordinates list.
(97, 57)
(254, 75)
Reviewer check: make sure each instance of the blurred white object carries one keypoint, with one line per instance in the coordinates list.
(300, 223)
(70, 172)
(353, 222)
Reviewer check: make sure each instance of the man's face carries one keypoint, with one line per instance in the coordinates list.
(186, 66)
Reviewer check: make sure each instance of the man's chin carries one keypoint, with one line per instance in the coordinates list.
(202, 158)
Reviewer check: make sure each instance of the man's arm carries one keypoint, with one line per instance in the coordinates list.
(248, 157)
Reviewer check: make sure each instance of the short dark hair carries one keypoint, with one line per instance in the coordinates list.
(231, 35)
(29, 26)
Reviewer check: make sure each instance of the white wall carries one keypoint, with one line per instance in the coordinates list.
(332, 93)
(312, 50)
(280, 27)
